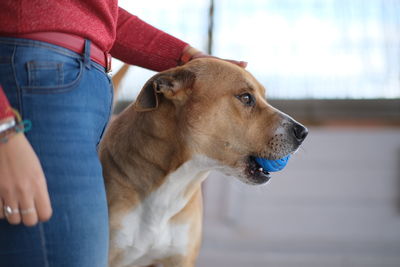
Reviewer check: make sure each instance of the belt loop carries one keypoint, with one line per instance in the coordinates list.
(108, 62)
(86, 54)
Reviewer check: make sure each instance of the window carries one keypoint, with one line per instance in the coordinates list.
(299, 49)
(315, 48)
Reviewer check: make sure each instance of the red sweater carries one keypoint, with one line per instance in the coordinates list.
(111, 28)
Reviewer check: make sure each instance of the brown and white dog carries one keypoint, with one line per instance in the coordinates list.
(206, 115)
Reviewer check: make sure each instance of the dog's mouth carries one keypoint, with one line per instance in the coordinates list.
(255, 174)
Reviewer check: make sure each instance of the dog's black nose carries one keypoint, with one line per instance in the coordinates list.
(300, 132)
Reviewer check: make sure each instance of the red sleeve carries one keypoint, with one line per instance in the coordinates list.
(141, 44)
(5, 108)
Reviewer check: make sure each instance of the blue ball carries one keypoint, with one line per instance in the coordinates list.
(273, 165)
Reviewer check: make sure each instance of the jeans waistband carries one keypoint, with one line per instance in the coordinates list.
(72, 42)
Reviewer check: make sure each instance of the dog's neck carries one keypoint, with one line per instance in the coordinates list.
(153, 148)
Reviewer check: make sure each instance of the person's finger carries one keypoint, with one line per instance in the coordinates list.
(242, 64)
(11, 211)
(27, 211)
(1, 209)
(42, 203)
(43, 209)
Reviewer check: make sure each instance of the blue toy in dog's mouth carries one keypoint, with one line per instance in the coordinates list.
(273, 165)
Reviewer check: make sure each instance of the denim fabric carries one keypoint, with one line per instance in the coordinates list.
(68, 98)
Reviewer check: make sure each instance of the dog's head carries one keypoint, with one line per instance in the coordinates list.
(225, 116)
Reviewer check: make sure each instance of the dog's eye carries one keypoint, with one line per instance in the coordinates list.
(247, 99)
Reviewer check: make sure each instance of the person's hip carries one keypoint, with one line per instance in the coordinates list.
(42, 78)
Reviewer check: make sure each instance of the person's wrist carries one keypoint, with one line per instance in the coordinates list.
(10, 139)
(188, 54)
(12, 126)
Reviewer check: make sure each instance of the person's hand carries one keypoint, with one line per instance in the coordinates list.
(193, 53)
(23, 190)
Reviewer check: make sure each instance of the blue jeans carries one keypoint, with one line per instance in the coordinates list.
(68, 98)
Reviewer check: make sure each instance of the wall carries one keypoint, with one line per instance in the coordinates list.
(337, 203)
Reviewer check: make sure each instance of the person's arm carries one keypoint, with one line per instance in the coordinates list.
(138, 43)
(23, 190)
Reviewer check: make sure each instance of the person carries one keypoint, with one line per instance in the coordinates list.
(54, 58)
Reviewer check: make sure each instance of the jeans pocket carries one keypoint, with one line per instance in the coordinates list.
(45, 73)
(51, 77)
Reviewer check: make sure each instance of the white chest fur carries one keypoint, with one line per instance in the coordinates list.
(147, 233)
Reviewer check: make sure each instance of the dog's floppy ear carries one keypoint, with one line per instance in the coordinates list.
(147, 99)
(171, 84)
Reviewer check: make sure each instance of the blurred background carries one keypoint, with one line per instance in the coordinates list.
(334, 65)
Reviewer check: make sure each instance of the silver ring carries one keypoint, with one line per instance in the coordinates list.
(26, 211)
(10, 211)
